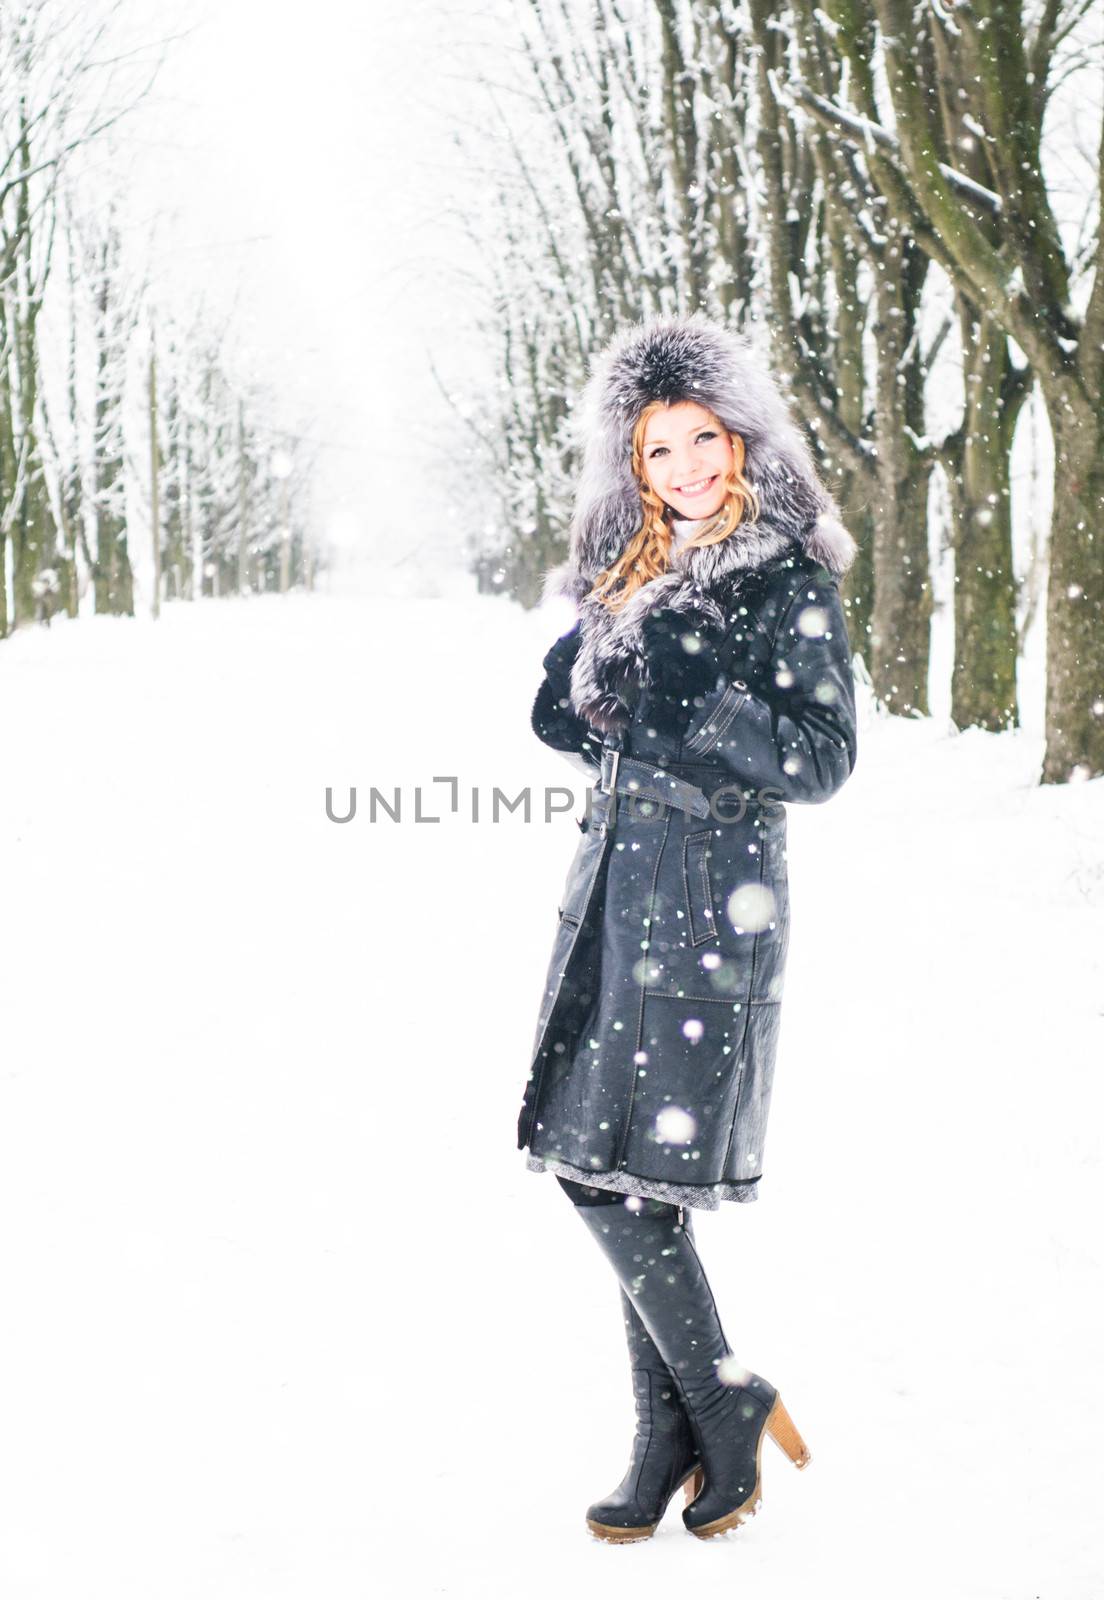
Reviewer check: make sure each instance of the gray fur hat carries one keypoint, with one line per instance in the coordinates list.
(693, 358)
(680, 358)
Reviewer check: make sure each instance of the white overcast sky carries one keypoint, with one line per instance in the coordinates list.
(296, 156)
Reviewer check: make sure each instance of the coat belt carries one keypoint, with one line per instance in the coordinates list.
(621, 774)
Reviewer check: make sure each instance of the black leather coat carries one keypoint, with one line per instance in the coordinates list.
(657, 1033)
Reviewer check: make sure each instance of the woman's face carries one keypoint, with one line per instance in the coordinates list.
(687, 456)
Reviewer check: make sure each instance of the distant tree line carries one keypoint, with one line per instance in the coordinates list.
(872, 188)
(118, 420)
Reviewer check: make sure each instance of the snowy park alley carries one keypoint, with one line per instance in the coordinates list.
(259, 1343)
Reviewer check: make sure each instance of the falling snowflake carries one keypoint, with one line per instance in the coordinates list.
(675, 1126)
(751, 908)
(731, 1371)
(812, 621)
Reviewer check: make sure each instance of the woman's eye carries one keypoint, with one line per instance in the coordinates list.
(706, 433)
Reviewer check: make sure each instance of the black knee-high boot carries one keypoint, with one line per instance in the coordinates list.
(730, 1409)
(664, 1455)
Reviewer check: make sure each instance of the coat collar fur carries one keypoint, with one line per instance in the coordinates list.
(680, 358)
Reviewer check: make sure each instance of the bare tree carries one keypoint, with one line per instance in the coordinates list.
(1021, 274)
(60, 89)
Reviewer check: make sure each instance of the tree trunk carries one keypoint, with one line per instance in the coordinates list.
(113, 580)
(900, 618)
(983, 679)
(1075, 589)
(155, 482)
(243, 506)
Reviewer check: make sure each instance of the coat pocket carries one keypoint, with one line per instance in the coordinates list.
(698, 887)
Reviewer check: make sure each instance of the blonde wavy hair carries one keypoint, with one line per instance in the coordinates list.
(646, 554)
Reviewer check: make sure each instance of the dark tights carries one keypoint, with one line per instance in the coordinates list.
(582, 1194)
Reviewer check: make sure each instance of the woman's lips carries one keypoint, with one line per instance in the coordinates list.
(699, 486)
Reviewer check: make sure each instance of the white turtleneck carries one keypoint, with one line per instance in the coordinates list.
(681, 530)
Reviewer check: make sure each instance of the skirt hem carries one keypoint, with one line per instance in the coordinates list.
(705, 1196)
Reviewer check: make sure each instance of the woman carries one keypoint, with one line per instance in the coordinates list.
(706, 683)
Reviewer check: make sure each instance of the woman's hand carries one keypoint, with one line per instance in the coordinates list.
(559, 660)
(553, 719)
(681, 650)
(682, 662)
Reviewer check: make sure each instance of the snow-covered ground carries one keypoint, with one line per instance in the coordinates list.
(283, 1313)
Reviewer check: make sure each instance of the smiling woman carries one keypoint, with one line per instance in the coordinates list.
(687, 464)
(718, 666)
(686, 457)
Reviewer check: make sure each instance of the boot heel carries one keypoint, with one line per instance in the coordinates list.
(785, 1435)
(694, 1484)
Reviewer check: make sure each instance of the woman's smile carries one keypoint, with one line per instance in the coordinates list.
(698, 488)
(687, 456)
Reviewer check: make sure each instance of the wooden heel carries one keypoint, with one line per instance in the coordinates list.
(785, 1435)
(694, 1483)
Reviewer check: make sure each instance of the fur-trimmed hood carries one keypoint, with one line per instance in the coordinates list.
(673, 359)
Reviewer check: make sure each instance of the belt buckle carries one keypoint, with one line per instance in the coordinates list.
(609, 787)
(615, 761)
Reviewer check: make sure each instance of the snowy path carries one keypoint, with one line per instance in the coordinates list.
(284, 1316)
